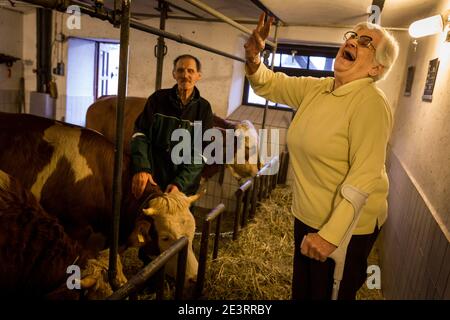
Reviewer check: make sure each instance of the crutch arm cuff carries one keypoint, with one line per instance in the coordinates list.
(338, 229)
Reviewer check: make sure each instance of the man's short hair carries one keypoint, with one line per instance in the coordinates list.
(184, 56)
(387, 50)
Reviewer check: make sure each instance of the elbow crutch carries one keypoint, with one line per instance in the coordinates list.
(357, 198)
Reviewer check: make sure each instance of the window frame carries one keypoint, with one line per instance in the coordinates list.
(302, 50)
(96, 62)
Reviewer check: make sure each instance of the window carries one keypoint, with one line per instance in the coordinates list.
(321, 63)
(295, 60)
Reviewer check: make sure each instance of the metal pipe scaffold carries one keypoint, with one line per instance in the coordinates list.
(224, 18)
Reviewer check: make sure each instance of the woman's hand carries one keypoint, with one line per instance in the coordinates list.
(316, 247)
(256, 43)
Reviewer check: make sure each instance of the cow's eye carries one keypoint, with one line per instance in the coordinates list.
(166, 238)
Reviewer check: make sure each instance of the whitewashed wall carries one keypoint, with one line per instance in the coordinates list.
(223, 78)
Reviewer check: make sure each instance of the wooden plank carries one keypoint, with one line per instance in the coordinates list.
(444, 272)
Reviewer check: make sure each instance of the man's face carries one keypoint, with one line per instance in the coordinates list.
(354, 61)
(186, 74)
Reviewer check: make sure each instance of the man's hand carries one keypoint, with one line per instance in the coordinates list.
(139, 183)
(171, 188)
(316, 247)
(256, 43)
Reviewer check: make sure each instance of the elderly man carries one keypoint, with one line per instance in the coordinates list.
(165, 111)
(337, 143)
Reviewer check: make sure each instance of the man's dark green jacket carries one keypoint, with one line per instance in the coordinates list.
(151, 145)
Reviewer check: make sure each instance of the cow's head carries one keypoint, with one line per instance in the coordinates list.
(173, 219)
(246, 155)
(143, 233)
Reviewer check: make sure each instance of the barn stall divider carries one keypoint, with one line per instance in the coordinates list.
(248, 194)
(214, 214)
(257, 189)
(156, 267)
(121, 17)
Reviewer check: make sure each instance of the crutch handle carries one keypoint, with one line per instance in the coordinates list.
(338, 256)
(357, 198)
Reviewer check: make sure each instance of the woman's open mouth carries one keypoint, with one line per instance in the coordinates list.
(347, 55)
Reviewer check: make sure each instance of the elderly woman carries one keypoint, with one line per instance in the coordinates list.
(337, 143)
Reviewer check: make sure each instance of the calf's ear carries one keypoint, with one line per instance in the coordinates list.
(87, 282)
(197, 196)
(149, 211)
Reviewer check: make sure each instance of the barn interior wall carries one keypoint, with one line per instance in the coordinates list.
(420, 145)
(222, 82)
(216, 82)
(217, 70)
(10, 23)
(237, 81)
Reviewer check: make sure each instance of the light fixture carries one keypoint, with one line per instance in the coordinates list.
(426, 27)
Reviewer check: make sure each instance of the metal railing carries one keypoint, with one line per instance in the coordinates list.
(214, 214)
(252, 190)
(256, 189)
(284, 163)
(157, 266)
(242, 193)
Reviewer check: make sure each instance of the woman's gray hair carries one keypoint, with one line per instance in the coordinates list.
(387, 49)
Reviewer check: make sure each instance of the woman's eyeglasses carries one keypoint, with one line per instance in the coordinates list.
(364, 41)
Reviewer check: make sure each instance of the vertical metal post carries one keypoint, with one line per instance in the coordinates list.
(160, 48)
(217, 238)
(245, 210)
(254, 196)
(274, 180)
(266, 184)
(214, 214)
(280, 168)
(203, 257)
(274, 177)
(160, 276)
(118, 159)
(237, 213)
(274, 51)
(285, 168)
(44, 49)
(181, 272)
(261, 187)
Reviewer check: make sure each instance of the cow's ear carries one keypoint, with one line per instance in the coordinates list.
(149, 211)
(197, 196)
(87, 282)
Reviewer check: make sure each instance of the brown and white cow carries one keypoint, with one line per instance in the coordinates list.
(101, 116)
(69, 169)
(35, 252)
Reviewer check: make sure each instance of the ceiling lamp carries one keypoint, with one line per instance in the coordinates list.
(428, 26)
